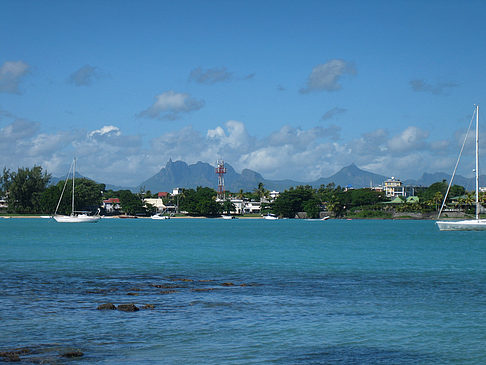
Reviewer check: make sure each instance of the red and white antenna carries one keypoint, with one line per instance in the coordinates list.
(220, 171)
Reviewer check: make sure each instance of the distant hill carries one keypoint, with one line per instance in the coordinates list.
(180, 174)
(352, 176)
(428, 179)
(54, 180)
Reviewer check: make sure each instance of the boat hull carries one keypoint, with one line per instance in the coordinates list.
(160, 217)
(465, 225)
(76, 218)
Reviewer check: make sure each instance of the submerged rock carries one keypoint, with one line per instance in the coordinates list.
(72, 353)
(148, 306)
(106, 306)
(10, 356)
(127, 307)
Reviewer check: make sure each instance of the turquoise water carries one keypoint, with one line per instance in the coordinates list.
(245, 291)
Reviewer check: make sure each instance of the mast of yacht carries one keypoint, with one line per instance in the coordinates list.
(72, 198)
(477, 162)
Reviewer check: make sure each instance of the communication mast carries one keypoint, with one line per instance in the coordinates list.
(220, 171)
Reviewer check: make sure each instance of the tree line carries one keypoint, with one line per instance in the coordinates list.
(27, 191)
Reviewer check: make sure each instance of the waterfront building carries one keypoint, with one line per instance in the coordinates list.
(111, 205)
(393, 187)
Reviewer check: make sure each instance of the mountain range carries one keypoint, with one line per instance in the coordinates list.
(180, 174)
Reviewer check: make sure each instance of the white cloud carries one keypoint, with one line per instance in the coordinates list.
(326, 77)
(106, 130)
(332, 113)
(107, 155)
(170, 105)
(84, 76)
(437, 89)
(411, 139)
(211, 75)
(11, 73)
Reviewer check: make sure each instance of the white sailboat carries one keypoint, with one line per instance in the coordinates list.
(75, 217)
(467, 224)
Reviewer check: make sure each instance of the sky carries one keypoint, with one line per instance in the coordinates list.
(290, 89)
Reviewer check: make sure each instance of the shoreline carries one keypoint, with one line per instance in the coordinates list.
(432, 218)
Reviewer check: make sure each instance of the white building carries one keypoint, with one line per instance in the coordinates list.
(156, 202)
(111, 205)
(274, 195)
(393, 187)
(176, 191)
(252, 207)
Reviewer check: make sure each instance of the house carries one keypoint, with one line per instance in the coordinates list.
(274, 195)
(239, 206)
(176, 191)
(252, 207)
(157, 203)
(111, 205)
(393, 187)
(162, 194)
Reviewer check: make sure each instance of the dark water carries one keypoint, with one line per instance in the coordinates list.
(243, 292)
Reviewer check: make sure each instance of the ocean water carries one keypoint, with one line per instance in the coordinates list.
(243, 292)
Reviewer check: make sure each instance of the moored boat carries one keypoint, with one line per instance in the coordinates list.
(467, 224)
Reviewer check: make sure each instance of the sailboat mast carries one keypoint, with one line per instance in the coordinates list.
(72, 198)
(477, 161)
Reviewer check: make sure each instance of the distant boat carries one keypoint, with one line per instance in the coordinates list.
(74, 217)
(325, 218)
(228, 216)
(270, 216)
(467, 224)
(160, 216)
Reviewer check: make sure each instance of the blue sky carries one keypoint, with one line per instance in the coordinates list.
(289, 89)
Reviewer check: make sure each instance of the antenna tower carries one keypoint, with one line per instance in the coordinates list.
(220, 171)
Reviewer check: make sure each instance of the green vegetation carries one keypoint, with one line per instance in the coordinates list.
(26, 192)
(200, 202)
(24, 188)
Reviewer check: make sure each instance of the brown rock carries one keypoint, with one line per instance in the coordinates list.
(148, 306)
(106, 306)
(127, 307)
(72, 353)
(227, 284)
(10, 356)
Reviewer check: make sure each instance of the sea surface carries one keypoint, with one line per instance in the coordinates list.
(245, 291)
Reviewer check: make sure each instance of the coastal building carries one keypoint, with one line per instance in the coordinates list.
(157, 203)
(274, 195)
(111, 205)
(239, 206)
(176, 191)
(393, 187)
(252, 208)
(3, 203)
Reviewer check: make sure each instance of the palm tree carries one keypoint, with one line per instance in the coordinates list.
(260, 191)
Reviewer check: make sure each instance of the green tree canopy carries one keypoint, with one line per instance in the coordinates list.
(291, 201)
(200, 202)
(87, 196)
(130, 203)
(24, 188)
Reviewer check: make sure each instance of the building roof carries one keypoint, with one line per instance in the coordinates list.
(112, 201)
(162, 194)
(412, 199)
(397, 200)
